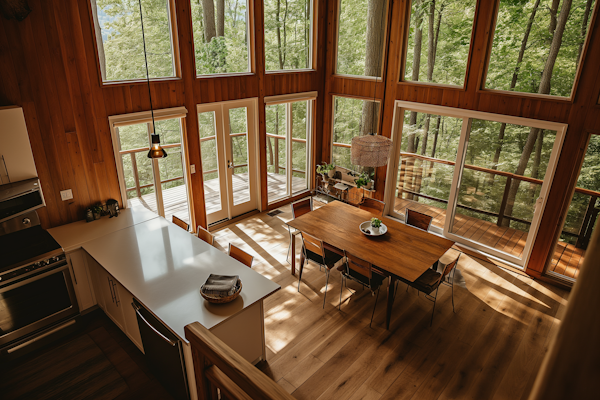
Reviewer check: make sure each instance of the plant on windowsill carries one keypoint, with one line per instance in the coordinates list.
(326, 169)
(364, 181)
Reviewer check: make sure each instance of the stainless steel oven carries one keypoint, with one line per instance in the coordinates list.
(34, 296)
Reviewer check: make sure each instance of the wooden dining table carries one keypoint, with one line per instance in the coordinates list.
(403, 251)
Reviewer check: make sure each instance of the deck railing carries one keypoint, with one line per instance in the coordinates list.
(274, 160)
(221, 373)
(406, 171)
(136, 178)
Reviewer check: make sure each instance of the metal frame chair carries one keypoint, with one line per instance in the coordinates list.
(360, 271)
(431, 280)
(373, 206)
(205, 235)
(299, 208)
(417, 219)
(313, 249)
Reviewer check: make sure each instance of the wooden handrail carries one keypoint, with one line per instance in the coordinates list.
(217, 366)
(152, 184)
(342, 145)
(491, 171)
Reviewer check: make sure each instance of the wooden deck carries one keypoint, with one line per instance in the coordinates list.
(176, 203)
(566, 261)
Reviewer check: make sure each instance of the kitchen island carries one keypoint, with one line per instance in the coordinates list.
(162, 267)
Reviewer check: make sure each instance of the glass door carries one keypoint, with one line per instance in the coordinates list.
(156, 184)
(503, 174)
(288, 143)
(227, 138)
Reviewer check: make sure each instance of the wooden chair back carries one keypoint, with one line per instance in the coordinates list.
(359, 265)
(240, 255)
(418, 219)
(206, 235)
(313, 244)
(302, 207)
(181, 223)
(373, 206)
(449, 267)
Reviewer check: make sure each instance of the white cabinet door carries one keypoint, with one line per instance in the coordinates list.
(15, 149)
(107, 288)
(81, 279)
(131, 325)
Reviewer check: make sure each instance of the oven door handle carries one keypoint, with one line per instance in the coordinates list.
(163, 337)
(28, 279)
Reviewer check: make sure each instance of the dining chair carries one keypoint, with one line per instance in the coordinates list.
(418, 219)
(181, 223)
(299, 208)
(313, 249)
(373, 206)
(205, 235)
(362, 272)
(431, 280)
(240, 255)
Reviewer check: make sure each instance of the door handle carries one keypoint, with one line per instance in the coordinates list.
(163, 337)
(112, 296)
(229, 164)
(117, 301)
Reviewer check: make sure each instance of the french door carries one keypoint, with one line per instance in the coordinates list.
(159, 185)
(228, 148)
(482, 177)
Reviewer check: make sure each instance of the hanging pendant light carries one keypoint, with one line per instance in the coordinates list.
(371, 150)
(156, 151)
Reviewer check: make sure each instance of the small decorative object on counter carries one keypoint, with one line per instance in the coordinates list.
(89, 215)
(364, 181)
(113, 207)
(221, 288)
(97, 210)
(326, 170)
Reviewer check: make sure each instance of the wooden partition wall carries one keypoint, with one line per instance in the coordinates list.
(581, 112)
(48, 66)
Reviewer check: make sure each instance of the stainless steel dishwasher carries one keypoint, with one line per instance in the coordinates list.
(164, 353)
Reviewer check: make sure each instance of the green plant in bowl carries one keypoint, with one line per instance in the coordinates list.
(375, 222)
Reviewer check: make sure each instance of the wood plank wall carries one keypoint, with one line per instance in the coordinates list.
(581, 112)
(48, 66)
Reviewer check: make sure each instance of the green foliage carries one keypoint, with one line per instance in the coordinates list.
(363, 180)
(325, 168)
(375, 222)
(288, 47)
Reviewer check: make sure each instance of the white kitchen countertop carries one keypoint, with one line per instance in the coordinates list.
(72, 236)
(164, 266)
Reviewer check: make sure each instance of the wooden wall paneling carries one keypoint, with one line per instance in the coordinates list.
(188, 72)
(9, 87)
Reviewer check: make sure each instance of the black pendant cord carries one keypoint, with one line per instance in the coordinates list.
(147, 73)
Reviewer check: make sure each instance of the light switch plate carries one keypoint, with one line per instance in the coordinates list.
(66, 194)
(192, 169)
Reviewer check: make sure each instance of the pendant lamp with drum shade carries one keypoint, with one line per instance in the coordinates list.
(372, 150)
(156, 150)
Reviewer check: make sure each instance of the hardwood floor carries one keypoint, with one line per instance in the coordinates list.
(491, 348)
(97, 356)
(567, 258)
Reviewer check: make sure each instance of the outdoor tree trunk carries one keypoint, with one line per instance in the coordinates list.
(431, 50)
(553, 11)
(584, 22)
(277, 20)
(220, 18)
(374, 46)
(101, 57)
(544, 89)
(513, 84)
(208, 13)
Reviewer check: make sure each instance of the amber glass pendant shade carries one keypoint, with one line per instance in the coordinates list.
(156, 151)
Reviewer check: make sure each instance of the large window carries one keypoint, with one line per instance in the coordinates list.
(438, 41)
(352, 117)
(221, 38)
(119, 39)
(361, 31)
(288, 34)
(289, 130)
(537, 45)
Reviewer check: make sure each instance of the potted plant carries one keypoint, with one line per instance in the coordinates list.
(326, 169)
(364, 180)
(97, 210)
(375, 225)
